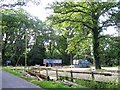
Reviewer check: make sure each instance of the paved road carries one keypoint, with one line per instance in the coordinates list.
(11, 81)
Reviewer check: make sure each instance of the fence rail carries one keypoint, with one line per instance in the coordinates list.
(70, 72)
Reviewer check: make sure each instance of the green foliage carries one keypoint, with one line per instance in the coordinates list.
(72, 31)
(13, 34)
(36, 55)
(80, 22)
(110, 50)
(21, 32)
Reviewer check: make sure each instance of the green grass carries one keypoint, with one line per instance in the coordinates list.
(97, 85)
(51, 84)
(93, 84)
(13, 72)
(44, 84)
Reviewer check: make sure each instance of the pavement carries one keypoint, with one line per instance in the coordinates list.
(11, 82)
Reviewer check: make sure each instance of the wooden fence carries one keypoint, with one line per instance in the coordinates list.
(70, 72)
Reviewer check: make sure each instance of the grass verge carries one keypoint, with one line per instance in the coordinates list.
(94, 84)
(44, 84)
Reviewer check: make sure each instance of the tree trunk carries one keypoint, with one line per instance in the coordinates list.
(71, 58)
(96, 49)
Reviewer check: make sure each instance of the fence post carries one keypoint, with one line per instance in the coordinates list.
(57, 74)
(47, 74)
(39, 69)
(71, 75)
(28, 68)
(33, 70)
(92, 73)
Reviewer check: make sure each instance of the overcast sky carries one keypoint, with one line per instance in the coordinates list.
(40, 10)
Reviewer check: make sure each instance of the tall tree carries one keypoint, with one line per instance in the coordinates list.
(14, 25)
(87, 15)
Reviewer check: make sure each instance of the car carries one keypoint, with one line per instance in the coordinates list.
(85, 63)
(81, 63)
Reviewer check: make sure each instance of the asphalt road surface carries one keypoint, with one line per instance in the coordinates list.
(11, 82)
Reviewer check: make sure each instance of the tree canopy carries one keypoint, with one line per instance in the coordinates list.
(84, 17)
(73, 31)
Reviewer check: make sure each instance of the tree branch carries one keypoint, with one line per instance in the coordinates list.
(59, 50)
(69, 11)
(70, 20)
(13, 5)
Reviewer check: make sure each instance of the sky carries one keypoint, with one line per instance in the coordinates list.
(40, 10)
